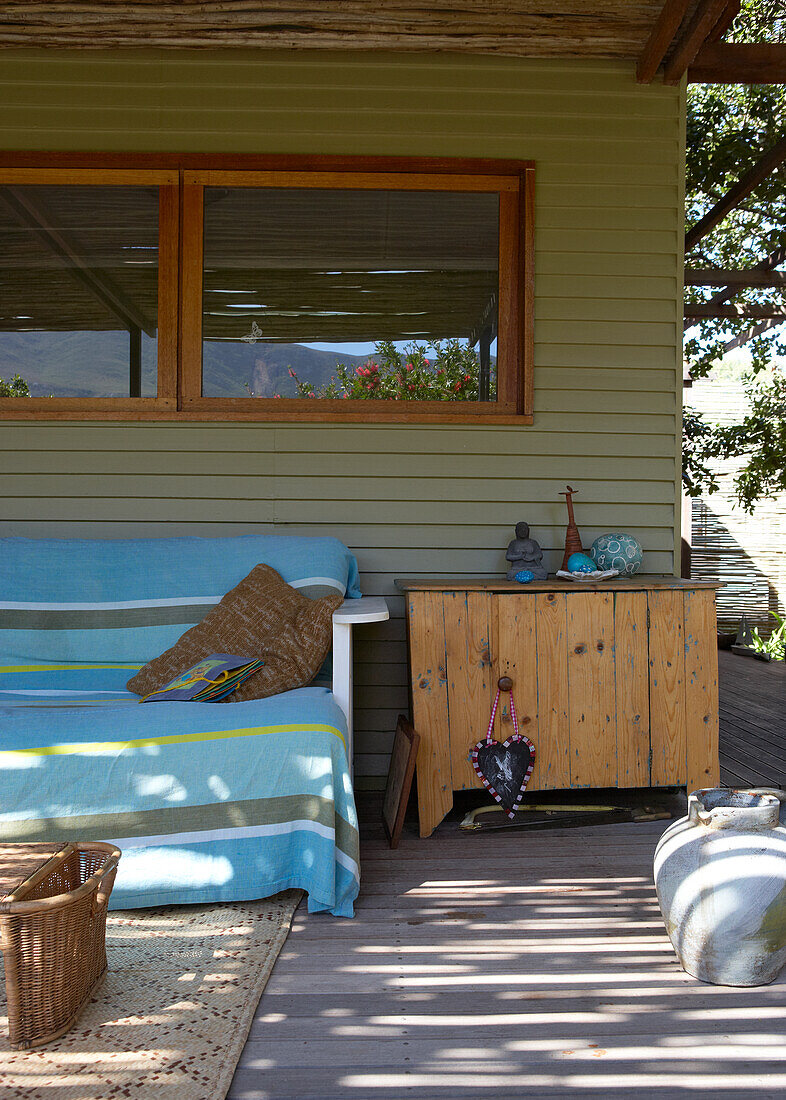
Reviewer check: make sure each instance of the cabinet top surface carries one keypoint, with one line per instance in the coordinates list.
(643, 583)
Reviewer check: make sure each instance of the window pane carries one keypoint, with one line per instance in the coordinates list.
(79, 290)
(350, 293)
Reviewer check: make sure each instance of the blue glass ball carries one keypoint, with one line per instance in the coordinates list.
(617, 551)
(580, 563)
(524, 576)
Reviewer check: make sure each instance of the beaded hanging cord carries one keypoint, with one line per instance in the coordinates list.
(505, 772)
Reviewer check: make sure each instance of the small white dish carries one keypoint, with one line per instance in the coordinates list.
(598, 575)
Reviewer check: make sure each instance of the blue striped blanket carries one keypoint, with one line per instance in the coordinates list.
(208, 801)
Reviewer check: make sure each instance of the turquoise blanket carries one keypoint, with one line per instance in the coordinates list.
(208, 802)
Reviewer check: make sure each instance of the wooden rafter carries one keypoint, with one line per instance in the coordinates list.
(741, 277)
(734, 196)
(773, 260)
(700, 27)
(729, 15)
(700, 310)
(663, 33)
(751, 334)
(739, 63)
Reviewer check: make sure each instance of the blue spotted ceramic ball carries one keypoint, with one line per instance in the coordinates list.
(524, 576)
(580, 563)
(617, 551)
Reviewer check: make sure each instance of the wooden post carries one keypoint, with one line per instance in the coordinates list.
(134, 361)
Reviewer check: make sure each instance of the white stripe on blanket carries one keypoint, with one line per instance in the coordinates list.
(118, 605)
(60, 691)
(239, 833)
(169, 601)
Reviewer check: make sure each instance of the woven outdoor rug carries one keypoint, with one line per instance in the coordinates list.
(173, 1013)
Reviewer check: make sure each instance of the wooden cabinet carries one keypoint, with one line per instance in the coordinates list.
(616, 684)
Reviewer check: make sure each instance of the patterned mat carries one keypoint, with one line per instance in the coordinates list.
(173, 1013)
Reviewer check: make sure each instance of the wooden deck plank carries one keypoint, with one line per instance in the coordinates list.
(752, 728)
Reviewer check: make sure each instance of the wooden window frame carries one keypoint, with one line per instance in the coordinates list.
(164, 405)
(181, 180)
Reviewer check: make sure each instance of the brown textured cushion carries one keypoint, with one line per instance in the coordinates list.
(261, 617)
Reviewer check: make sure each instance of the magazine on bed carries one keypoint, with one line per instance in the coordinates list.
(208, 681)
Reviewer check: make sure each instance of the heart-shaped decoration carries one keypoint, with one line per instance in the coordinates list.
(504, 769)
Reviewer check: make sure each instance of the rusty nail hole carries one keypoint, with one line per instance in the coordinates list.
(423, 683)
(600, 647)
(580, 649)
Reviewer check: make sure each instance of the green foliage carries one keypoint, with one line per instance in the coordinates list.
(452, 374)
(16, 387)
(775, 645)
(698, 475)
(729, 128)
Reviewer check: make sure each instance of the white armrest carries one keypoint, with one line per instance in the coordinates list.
(368, 609)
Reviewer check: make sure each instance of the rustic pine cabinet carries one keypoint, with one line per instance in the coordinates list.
(615, 683)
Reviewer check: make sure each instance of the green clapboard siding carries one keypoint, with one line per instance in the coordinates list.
(414, 499)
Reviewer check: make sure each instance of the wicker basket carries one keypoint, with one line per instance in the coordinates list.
(53, 929)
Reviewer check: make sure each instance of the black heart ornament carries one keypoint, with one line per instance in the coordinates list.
(504, 769)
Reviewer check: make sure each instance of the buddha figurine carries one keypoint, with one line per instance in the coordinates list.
(524, 553)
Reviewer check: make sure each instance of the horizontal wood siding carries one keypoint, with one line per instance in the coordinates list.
(414, 500)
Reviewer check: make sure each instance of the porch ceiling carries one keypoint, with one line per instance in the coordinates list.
(525, 28)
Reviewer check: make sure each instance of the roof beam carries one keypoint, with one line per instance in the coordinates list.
(750, 334)
(739, 63)
(700, 310)
(713, 276)
(33, 214)
(704, 20)
(775, 259)
(725, 21)
(734, 196)
(663, 33)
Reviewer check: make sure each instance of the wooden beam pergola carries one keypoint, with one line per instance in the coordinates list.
(734, 196)
(750, 334)
(739, 63)
(775, 259)
(704, 21)
(701, 310)
(741, 277)
(663, 33)
(690, 39)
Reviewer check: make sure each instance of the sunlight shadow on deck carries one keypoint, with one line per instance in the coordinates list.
(540, 968)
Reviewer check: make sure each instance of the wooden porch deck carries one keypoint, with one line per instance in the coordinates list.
(752, 721)
(507, 964)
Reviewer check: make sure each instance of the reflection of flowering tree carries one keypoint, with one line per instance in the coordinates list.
(452, 374)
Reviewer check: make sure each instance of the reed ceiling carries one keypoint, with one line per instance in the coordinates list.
(524, 28)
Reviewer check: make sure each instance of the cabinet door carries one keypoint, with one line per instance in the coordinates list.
(579, 664)
(531, 631)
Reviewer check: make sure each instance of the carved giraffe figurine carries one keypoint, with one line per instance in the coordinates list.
(572, 536)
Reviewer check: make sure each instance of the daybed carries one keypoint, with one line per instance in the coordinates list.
(208, 801)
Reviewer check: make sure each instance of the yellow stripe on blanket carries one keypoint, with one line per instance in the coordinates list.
(174, 739)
